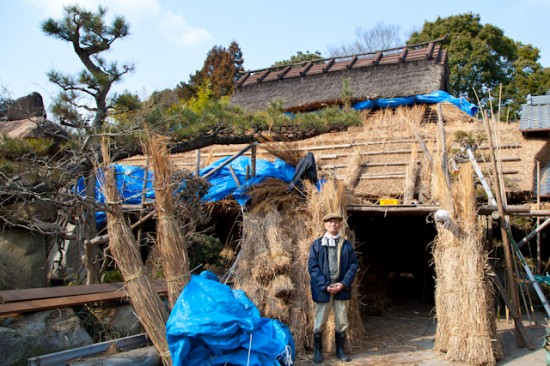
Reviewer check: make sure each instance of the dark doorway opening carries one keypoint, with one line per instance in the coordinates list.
(395, 255)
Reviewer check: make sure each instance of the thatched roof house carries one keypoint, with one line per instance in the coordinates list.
(396, 72)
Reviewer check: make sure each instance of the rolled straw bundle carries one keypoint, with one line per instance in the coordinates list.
(170, 241)
(464, 299)
(281, 287)
(278, 242)
(122, 244)
(354, 169)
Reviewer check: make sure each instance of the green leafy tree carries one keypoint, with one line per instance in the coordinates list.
(299, 57)
(221, 69)
(529, 77)
(481, 58)
(90, 37)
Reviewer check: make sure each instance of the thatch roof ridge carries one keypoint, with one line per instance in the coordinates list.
(383, 74)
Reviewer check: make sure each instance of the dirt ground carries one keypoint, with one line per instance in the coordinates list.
(406, 337)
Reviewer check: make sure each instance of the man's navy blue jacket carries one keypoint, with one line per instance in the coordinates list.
(320, 274)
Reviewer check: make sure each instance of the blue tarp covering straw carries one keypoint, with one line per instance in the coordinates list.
(211, 324)
(437, 96)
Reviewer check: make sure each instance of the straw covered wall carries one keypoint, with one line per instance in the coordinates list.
(466, 329)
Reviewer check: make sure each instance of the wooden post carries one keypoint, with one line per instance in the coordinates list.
(514, 296)
(235, 178)
(410, 181)
(443, 139)
(228, 161)
(513, 311)
(539, 262)
(198, 163)
(253, 160)
(143, 194)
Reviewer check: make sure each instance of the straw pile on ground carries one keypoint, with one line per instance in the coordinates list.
(466, 329)
(123, 247)
(272, 268)
(170, 241)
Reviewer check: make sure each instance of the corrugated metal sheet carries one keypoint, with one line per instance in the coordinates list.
(535, 117)
(538, 99)
(544, 181)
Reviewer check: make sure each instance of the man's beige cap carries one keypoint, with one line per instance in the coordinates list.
(331, 216)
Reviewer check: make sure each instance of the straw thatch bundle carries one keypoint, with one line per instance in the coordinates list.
(354, 170)
(466, 329)
(122, 245)
(170, 241)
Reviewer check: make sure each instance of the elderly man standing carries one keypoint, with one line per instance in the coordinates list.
(332, 267)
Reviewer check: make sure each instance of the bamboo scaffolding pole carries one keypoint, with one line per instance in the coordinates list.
(228, 161)
(513, 312)
(514, 301)
(539, 261)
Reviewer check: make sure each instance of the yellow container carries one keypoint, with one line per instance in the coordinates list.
(388, 202)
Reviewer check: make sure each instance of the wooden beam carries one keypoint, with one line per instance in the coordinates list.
(377, 58)
(263, 76)
(352, 62)
(62, 302)
(228, 161)
(403, 55)
(306, 68)
(328, 65)
(242, 79)
(283, 72)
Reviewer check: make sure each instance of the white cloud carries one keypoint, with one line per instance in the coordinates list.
(175, 28)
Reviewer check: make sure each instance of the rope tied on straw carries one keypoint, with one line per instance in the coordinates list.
(134, 276)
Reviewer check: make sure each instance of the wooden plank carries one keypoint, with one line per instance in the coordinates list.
(64, 291)
(61, 291)
(62, 302)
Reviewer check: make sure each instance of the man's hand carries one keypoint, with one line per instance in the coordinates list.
(335, 288)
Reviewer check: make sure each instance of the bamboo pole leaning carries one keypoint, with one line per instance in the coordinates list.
(148, 306)
(510, 274)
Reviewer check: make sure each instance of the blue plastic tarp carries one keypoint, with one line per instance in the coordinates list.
(437, 96)
(211, 324)
(129, 182)
(224, 185)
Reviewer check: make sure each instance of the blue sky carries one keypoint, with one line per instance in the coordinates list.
(170, 38)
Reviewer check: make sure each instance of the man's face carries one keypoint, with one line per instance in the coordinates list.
(332, 226)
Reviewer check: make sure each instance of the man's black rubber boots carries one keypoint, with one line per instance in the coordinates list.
(340, 346)
(317, 347)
